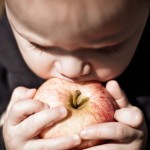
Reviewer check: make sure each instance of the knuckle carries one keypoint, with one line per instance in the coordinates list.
(27, 125)
(137, 110)
(47, 116)
(37, 105)
(16, 107)
(120, 131)
(41, 104)
(9, 133)
(17, 91)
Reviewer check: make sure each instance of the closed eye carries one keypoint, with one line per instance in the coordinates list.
(41, 48)
(110, 50)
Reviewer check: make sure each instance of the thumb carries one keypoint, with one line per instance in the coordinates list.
(131, 116)
(126, 113)
(118, 94)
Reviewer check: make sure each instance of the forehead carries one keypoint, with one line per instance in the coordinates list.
(59, 11)
(65, 19)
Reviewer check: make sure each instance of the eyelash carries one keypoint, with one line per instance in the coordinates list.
(104, 51)
(110, 50)
(37, 47)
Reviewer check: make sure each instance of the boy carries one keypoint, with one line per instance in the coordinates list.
(74, 40)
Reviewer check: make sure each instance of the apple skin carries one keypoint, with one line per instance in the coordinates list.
(97, 107)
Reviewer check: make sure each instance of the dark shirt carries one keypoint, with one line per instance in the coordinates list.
(135, 80)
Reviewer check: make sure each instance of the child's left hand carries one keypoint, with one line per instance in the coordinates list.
(129, 132)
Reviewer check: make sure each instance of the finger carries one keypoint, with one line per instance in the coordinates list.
(110, 131)
(119, 96)
(61, 143)
(111, 146)
(20, 93)
(22, 109)
(131, 116)
(2, 119)
(34, 124)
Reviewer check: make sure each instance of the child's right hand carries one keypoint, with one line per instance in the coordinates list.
(26, 117)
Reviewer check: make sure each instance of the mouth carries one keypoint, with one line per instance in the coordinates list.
(80, 79)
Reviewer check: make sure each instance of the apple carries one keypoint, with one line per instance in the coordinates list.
(88, 103)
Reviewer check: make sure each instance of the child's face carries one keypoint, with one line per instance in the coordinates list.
(77, 39)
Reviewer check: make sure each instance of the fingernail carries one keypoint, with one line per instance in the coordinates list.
(76, 139)
(63, 111)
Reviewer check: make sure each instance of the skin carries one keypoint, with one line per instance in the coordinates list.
(75, 44)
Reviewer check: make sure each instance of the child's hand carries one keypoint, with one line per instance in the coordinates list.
(24, 120)
(128, 133)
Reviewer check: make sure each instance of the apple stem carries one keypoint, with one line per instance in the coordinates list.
(77, 100)
(75, 97)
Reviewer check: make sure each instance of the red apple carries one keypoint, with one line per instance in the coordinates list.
(88, 103)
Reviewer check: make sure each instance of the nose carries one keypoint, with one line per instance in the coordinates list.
(72, 67)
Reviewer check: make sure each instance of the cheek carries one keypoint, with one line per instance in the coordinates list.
(39, 62)
(107, 68)
(107, 73)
